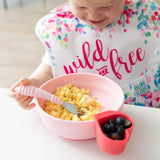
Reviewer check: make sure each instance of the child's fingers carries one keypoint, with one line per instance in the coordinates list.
(11, 93)
(25, 102)
(22, 99)
(11, 90)
(22, 81)
(25, 81)
(30, 106)
(27, 107)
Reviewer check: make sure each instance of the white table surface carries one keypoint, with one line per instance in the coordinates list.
(23, 137)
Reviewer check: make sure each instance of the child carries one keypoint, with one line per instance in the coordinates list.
(114, 38)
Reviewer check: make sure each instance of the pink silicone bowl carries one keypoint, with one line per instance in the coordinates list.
(107, 92)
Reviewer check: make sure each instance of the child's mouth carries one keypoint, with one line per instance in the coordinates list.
(97, 22)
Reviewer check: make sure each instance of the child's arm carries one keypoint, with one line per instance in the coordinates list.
(42, 74)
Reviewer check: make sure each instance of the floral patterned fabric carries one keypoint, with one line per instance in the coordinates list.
(127, 50)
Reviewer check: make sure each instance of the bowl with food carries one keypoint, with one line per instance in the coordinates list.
(91, 93)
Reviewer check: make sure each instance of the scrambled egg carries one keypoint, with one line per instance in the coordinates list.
(78, 97)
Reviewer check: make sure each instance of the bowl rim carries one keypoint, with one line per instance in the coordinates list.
(76, 74)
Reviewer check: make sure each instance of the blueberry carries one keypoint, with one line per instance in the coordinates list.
(115, 129)
(111, 128)
(106, 125)
(120, 121)
(108, 135)
(103, 128)
(121, 131)
(127, 124)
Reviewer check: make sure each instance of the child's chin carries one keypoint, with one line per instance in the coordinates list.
(98, 26)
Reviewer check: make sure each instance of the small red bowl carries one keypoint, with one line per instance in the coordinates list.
(105, 143)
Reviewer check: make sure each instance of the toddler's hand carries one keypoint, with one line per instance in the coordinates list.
(23, 101)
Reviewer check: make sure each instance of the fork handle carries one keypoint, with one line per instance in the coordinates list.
(38, 93)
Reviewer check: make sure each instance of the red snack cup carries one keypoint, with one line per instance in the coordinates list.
(105, 143)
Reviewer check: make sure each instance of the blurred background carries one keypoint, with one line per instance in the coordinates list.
(20, 49)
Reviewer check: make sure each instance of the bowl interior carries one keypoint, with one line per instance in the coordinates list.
(107, 92)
